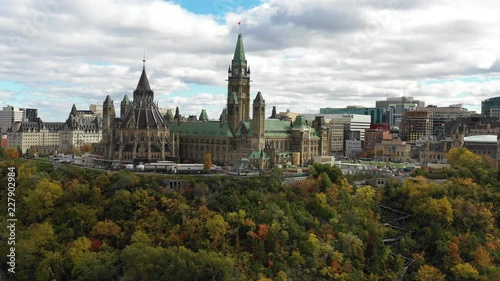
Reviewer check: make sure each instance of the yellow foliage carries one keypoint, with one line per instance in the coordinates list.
(428, 273)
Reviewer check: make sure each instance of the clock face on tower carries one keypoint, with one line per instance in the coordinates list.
(236, 71)
(243, 71)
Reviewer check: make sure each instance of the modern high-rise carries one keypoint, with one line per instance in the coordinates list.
(490, 107)
(416, 125)
(396, 106)
(441, 115)
(8, 116)
(378, 115)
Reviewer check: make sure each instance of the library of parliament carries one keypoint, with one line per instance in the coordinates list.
(142, 132)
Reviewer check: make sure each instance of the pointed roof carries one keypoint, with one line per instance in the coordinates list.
(239, 52)
(259, 98)
(73, 110)
(300, 122)
(108, 99)
(203, 115)
(125, 100)
(143, 81)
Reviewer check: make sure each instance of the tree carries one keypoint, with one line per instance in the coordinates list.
(86, 148)
(217, 229)
(35, 245)
(452, 256)
(106, 228)
(482, 257)
(11, 153)
(333, 172)
(142, 262)
(207, 162)
(428, 273)
(41, 200)
(465, 271)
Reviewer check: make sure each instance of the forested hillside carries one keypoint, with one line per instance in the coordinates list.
(77, 224)
(456, 223)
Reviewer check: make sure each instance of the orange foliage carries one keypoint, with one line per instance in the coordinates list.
(11, 153)
(262, 232)
(336, 267)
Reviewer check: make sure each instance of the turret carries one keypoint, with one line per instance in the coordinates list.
(108, 113)
(203, 116)
(274, 115)
(124, 106)
(259, 111)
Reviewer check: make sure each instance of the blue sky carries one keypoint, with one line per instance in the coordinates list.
(218, 8)
(304, 54)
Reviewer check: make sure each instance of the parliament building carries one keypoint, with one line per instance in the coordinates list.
(141, 132)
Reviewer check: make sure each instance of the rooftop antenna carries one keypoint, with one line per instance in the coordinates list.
(144, 60)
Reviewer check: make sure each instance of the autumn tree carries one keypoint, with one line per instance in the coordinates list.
(465, 271)
(41, 201)
(428, 273)
(207, 162)
(86, 148)
(452, 255)
(11, 152)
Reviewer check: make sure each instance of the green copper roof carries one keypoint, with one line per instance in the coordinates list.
(233, 99)
(300, 121)
(203, 115)
(239, 53)
(125, 100)
(272, 128)
(210, 128)
(277, 128)
(258, 155)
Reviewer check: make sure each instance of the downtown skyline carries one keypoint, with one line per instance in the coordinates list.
(303, 55)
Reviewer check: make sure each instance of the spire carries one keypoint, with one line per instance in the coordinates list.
(143, 81)
(73, 110)
(108, 99)
(125, 100)
(239, 53)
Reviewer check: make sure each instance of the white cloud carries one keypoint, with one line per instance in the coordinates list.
(304, 54)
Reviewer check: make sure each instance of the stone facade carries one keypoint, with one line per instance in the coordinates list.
(143, 133)
(393, 151)
(81, 127)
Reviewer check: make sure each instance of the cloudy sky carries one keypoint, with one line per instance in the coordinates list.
(304, 54)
